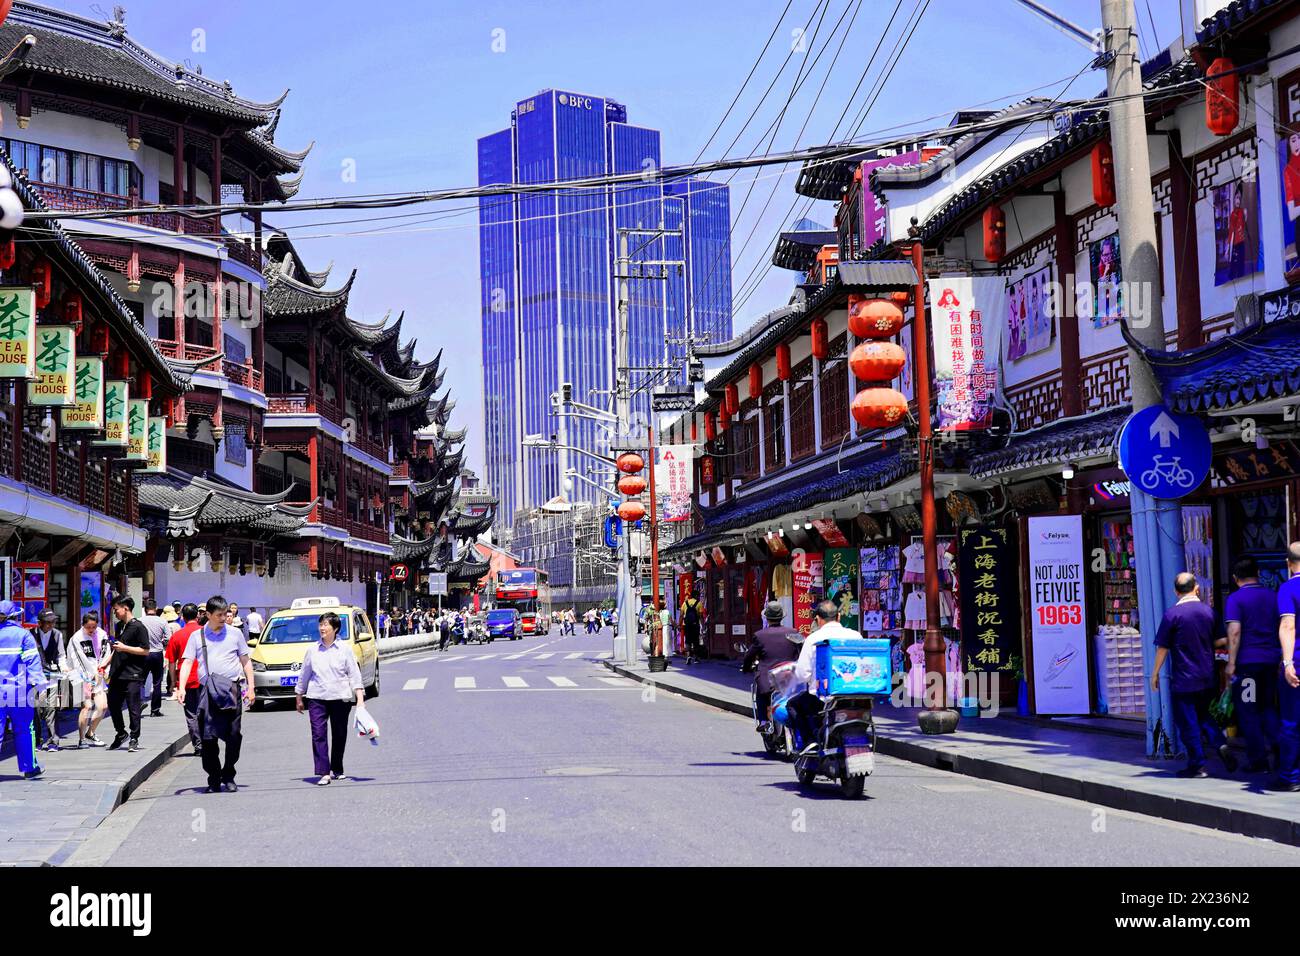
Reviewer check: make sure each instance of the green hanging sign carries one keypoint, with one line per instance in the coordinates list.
(137, 427)
(88, 390)
(17, 332)
(117, 395)
(55, 361)
(156, 444)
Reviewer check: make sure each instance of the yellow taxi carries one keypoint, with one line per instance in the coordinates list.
(278, 655)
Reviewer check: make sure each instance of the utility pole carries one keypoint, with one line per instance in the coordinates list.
(1157, 523)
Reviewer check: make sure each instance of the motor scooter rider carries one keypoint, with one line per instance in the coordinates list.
(807, 706)
(774, 644)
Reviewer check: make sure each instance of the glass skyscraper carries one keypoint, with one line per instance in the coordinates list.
(547, 264)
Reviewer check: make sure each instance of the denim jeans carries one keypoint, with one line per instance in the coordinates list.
(1192, 717)
(1258, 718)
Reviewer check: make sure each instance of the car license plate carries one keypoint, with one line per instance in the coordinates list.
(288, 681)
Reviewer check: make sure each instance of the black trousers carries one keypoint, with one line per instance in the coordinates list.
(127, 692)
(155, 668)
(806, 710)
(332, 716)
(213, 728)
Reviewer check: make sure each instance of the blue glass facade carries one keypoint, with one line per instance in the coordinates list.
(549, 288)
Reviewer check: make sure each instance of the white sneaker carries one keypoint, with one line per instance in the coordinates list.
(323, 781)
(339, 776)
(93, 741)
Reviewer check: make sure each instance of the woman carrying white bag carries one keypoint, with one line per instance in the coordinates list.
(330, 682)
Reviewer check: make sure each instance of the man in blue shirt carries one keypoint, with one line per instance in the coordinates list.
(1288, 735)
(1186, 638)
(21, 674)
(1254, 660)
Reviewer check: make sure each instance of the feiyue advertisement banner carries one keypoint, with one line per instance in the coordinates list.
(1056, 615)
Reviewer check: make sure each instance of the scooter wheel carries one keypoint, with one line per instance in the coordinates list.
(852, 787)
(806, 777)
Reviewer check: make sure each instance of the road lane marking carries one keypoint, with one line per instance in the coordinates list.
(513, 657)
(415, 683)
(514, 682)
(604, 655)
(483, 657)
(415, 660)
(574, 656)
(465, 683)
(459, 657)
(542, 657)
(618, 681)
(561, 682)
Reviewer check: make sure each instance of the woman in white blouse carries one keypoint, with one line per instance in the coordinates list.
(328, 685)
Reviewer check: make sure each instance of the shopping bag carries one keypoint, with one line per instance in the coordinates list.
(367, 726)
(1221, 708)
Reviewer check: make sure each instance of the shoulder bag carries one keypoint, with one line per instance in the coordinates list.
(222, 692)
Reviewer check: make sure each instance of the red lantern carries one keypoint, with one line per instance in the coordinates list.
(1103, 174)
(629, 463)
(732, 399)
(631, 510)
(879, 407)
(874, 318)
(724, 419)
(1222, 104)
(710, 427)
(631, 485)
(820, 339)
(5, 6)
(8, 253)
(995, 234)
(877, 361)
(73, 309)
(755, 380)
(783, 362)
(43, 282)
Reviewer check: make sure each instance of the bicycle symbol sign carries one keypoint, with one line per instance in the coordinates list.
(1165, 454)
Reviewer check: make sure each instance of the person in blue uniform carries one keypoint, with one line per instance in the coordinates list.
(1186, 639)
(1288, 689)
(1254, 661)
(21, 676)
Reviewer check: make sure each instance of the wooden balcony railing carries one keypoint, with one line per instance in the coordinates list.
(58, 196)
(244, 374)
(189, 352)
(402, 469)
(293, 403)
(367, 531)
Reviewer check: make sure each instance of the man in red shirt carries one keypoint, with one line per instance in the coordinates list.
(173, 654)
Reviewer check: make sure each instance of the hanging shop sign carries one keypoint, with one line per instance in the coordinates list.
(55, 364)
(830, 532)
(137, 430)
(706, 471)
(35, 578)
(117, 403)
(156, 444)
(1165, 454)
(966, 313)
(1057, 622)
(990, 603)
(875, 215)
(776, 545)
(675, 481)
(841, 572)
(806, 570)
(87, 411)
(719, 557)
(17, 332)
(1281, 459)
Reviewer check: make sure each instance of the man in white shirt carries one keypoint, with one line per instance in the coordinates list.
(806, 707)
(255, 625)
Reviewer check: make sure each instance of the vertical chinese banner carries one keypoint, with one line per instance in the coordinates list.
(88, 410)
(1056, 615)
(675, 481)
(990, 599)
(841, 571)
(875, 217)
(156, 444)
(55, 363)
(966, 316)
(117, 402)
(806, 570)
(137, 424)
(17, 332)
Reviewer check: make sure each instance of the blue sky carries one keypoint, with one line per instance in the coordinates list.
(402, 89)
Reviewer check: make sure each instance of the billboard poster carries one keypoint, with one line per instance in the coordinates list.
(675, 481)
(841, 572)
(156, 444)
(1106, 275)
(1288, 158)
(137, 424)
(91, 596)
(1029, 319)
(875, 215)
(806, 572)
(990, 599)
(17, 332)
(116, 405)
(55, 363)
(966, 316)
(1238, 251)
(1056, 615)
(87, 410)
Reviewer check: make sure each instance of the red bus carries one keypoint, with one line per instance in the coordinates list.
(526, 590)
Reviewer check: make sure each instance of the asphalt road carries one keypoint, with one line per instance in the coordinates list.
(532, 752)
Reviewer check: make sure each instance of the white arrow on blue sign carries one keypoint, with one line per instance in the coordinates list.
(1165, 454)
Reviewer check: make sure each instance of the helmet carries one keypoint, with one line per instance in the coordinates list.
(11, 611)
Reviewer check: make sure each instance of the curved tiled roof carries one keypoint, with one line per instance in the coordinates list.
(469, 569)
(1068, 439)
(193, 503)
(1233, 16)
(288, 295)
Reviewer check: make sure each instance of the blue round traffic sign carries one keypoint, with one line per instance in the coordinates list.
(1165, 454)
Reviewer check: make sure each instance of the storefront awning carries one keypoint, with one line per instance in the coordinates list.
(1067, 440)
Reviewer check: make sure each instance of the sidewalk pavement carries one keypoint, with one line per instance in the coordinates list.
(1093, 763)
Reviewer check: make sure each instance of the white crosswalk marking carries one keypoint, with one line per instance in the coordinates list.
(514, 682)
(460, 657)
(561, 682)
(604, 655)
(415, 683)
(619, 681)
(466, 683)
(483, 657)
(542, 657)
(574, 656)
(415, 660)
(512, 657)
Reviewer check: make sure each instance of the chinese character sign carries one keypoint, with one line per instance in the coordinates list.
(1056, 615)
(55, 361)
(156, 444)
(807, 588)
(137, 426)
(675, 481)
(875, 215)
(990, 599)
(87, 411)
(116, 405)
(841, 572)
(17, 333)
(966, 318)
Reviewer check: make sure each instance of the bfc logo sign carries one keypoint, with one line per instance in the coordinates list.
(576, 102)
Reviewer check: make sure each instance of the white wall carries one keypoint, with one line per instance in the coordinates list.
(292, 580)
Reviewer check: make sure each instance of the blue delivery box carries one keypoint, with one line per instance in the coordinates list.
(845, 666)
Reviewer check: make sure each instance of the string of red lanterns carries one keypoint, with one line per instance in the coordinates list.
(876, 361)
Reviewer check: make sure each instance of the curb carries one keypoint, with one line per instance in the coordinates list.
(1192, 812)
